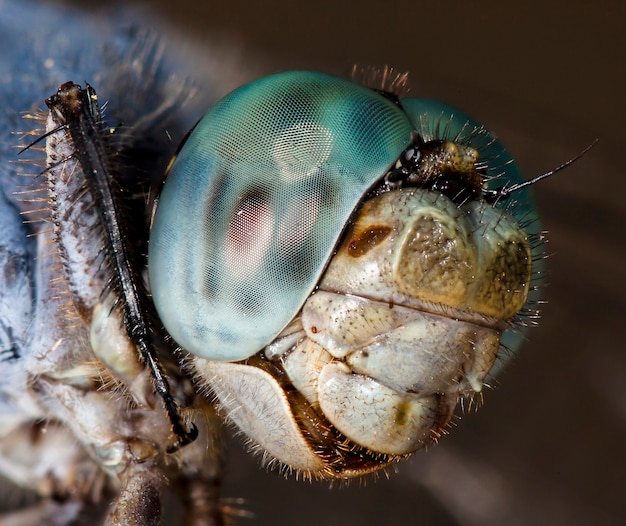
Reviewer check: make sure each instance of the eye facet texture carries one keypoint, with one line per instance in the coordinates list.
(256, 201)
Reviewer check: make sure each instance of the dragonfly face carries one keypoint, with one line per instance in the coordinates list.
(341, 277)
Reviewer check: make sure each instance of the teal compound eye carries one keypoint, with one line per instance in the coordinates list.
(256, 201)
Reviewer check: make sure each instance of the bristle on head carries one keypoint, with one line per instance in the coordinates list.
(386, 79)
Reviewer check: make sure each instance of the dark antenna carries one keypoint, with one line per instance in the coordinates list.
(495, 195)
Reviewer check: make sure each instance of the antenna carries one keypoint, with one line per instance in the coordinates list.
(498, 193)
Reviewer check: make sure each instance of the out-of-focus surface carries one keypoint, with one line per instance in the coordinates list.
(548, 447)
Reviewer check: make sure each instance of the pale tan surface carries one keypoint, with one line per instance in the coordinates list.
(548, 447)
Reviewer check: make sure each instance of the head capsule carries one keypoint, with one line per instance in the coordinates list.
(302, 182)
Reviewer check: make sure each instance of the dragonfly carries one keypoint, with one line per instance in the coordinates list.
(290, 376)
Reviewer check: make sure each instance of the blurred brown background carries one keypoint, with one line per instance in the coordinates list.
(549, 445)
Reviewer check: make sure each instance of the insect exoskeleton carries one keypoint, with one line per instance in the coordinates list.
(337, 269)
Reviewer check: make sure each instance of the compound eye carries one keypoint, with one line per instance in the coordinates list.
(256, 201)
